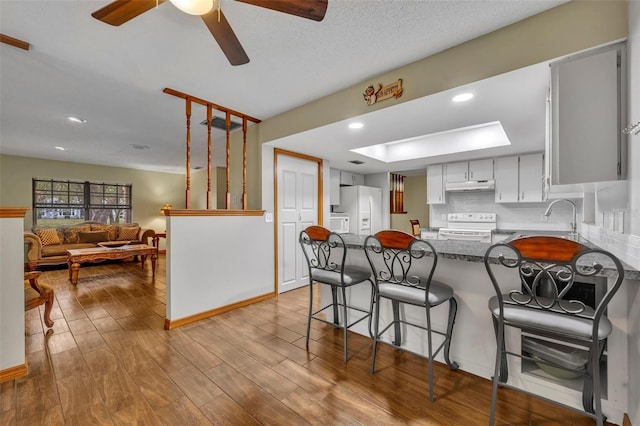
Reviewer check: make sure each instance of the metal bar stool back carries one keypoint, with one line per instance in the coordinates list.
(533, 278)
(403, 268)
(326, 255)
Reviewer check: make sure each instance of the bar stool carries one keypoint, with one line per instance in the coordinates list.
(538, 301)
(326, 255)
(403, 268)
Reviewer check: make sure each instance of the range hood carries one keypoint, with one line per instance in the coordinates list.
(471, 185)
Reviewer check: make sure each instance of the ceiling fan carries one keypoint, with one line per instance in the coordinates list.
(120, 11)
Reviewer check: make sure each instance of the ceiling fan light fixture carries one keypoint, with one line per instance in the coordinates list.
(194, 7)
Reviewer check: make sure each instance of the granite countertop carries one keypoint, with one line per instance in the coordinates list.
(473, 251)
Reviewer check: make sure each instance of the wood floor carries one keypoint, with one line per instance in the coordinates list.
(108, 360)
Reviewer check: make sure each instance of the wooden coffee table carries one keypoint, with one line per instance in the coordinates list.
(96, 254)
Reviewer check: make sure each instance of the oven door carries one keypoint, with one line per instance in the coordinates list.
(464, 235)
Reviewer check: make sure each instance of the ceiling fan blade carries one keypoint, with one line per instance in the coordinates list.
(226, 38)
(121, 11)
(310, 9)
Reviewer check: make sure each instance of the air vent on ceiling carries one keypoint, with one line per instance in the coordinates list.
(358, 162)
(219, 123)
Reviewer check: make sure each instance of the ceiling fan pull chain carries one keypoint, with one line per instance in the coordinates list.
(219, 9)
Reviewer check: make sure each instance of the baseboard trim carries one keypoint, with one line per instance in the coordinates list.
(626, 421)
(171, 324)
(13, 373)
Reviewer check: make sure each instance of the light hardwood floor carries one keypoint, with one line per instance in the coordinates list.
(108, 360)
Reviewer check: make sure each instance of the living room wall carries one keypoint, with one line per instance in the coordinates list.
(151, 190)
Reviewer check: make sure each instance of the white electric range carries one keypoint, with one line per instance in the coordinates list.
(468, 227)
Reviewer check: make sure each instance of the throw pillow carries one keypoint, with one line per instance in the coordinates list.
(71, 233)
(110, 229)
(128, 233)
(48, 236)
(93, 236)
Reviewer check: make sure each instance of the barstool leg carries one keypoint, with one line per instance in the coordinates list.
(334, 298)
(499, 328)
(397, 332)
(310, 311)
(430, 349)
(373, 295)
(376, 325)
(453, 309)
(345, 322)
(504, 367)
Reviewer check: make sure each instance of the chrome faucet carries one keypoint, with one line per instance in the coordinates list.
(574, 224)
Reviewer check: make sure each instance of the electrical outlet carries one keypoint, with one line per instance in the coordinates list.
(443, 216)
(268, 217)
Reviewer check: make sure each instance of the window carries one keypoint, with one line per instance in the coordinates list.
(65, 202)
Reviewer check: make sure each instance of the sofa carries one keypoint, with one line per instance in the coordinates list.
(49, 245)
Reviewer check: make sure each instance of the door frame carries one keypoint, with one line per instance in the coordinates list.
(276, 212)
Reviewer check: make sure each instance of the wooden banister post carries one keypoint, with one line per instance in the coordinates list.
(188, 165)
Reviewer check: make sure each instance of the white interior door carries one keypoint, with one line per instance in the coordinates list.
(297, 209)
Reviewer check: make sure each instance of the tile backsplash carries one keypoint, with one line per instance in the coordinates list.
(519, 216)
(606, 232)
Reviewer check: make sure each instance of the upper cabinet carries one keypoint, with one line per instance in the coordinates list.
(334, 187)
(587, 106)
(435, 184)
(340, 178)
(469, 170)
(531, 178)
(506, 173)
(519, 179)
(349, 179)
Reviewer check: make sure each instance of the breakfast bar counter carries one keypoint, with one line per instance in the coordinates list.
(460, 265)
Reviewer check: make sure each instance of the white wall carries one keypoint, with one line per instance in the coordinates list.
(633, 52)
(216, 261)
(12, 346)
(634, 208)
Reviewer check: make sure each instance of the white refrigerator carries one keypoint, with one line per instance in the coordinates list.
(364, 206)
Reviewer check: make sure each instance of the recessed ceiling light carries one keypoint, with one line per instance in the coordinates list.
(76, 119)
(462, 97)
(61, 148)
(356, 125)
(471, 138)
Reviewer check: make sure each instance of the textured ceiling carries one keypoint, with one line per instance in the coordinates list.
(114, 76)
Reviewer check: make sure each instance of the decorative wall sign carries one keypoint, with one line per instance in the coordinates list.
(379, 93)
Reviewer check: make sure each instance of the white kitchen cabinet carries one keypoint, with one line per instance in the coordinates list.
(350, 179)
(586, 143)
(531, 178)
(334, 187)
(506, 173)
(429, 235)
(457, 172)
(519, 179)
(435, 184)
(481, 169)
(470, 170)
